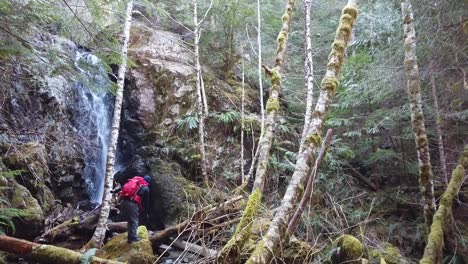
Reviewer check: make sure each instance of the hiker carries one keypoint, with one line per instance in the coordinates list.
(135, 203)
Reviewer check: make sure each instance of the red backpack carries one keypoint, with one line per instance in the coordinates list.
(130, 189)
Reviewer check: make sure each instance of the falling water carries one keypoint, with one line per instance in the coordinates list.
(92, 118)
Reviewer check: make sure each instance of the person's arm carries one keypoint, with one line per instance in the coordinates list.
(144, 194)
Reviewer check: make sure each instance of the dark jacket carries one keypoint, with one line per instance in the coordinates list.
(144, 193)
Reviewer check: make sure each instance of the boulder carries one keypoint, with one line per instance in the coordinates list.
(30, 219)
(389, 253)
(349, 249)
(119, 249)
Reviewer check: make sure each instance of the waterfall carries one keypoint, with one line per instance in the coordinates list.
(92, 117)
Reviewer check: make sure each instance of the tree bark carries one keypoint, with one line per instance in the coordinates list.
(260, 82)
(440, 140)
(433, 250)
(276, 236)
(310, 184)
(202, 106)
(46, 253)
(231, 251)
(260, 85)
(309, 72)
(99, 234)
(243, 176)
(417, 116)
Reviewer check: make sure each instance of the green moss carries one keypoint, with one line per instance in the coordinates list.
(285, 18)
(339, 46)
(350, 10)
(314, 139)
(388, 254)
(330, 83)
(272, 105)
(120, 250)
(282, 36)
(350, 250)
(275, 77)
(433, 250)
(243, 229)
(52, 254)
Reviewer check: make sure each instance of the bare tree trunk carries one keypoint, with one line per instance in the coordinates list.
(232, 249)
(417, 116)
(440, 141)
(260, 83)
(46, 253)
(100, 232)
(202, 110)
(244, 178)
(277, 235)
(435, 241)
(310, 184)
(309, 72)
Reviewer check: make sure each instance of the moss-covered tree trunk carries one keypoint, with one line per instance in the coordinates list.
(277, 236)
(413, 90)
(100, 232)
(435, 241)
(309, 71)
(231, 251)
(47, 253)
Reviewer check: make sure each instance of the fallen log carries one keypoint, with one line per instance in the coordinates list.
(194, 248)
(200, 215)
(356, 174)
(47, 253)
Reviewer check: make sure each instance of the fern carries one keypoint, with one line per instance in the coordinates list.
(188, 122)
(6, 218)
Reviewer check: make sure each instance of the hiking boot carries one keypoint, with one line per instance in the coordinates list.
(135, 240)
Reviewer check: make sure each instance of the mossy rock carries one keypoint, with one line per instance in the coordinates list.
(347, 249)
(19, 197)
(389, 253)
(119, 249)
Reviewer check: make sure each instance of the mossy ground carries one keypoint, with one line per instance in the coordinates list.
(133, 253)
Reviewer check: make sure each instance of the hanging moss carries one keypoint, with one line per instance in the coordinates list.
(350, 10)
(242, 233)
(272, 105)
(330, 83)
(275, 77)
(314, 139)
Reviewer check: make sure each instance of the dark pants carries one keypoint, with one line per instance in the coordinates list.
(131, 214)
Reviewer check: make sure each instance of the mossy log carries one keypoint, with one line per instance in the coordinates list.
(47, 253)
(276, 235)
(231, 251)
(433, 250)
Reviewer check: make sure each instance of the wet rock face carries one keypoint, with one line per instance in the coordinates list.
(37, 132)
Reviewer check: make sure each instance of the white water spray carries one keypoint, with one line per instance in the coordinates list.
(93, 120)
